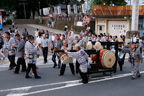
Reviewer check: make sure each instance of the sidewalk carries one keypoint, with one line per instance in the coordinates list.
(46, 28)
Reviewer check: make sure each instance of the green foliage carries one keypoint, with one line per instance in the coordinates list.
(9, 22)
(53, 2)
(9, 4)
(108, 2)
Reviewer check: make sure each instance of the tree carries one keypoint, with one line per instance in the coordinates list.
(9, 4)
(108, 2)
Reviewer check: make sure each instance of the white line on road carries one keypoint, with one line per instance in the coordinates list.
(68, 84)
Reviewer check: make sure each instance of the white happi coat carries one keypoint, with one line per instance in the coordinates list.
(82, 58)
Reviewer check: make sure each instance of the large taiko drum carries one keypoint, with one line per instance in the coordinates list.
(107, 58)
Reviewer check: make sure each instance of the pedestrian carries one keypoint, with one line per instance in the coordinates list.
(66, 27)
(45, 44)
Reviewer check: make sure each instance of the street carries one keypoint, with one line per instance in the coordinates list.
(51, 84)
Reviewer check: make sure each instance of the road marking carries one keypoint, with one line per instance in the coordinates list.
(68, 84)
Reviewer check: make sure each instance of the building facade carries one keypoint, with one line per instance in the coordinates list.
(116, 19)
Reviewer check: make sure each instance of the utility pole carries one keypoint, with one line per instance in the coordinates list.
(135, 15)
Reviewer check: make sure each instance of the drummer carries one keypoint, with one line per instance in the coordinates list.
(63, 67)
(82, 58)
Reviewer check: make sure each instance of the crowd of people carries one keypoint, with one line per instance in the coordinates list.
(28, 48)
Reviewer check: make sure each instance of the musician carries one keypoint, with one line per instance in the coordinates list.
(31, 56)
(11, 50)
(71, 65)
(107, 40)
(82, 58)
(21, 60)
(136, 59)
(57, 45)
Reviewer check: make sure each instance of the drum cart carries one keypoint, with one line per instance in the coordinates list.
(95, 66)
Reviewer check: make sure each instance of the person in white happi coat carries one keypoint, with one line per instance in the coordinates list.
(70, 40)
(71, 65)
(31, 56)
(52, 41)
(8, 45)
(82, 58)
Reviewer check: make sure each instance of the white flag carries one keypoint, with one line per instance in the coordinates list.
(45, 11)
(83, 8)
(55, 10)
(75, 9)
(59, 9)
(69, 9)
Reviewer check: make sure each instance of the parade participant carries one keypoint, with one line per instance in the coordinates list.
(107, 46)
(17, 30)
(25, 34)
(38, 40)
(45, 44)
(133, 40)
(124, 35)
(36, 33)
(63, 37)
(66, 34)
(81, 32)
(52, 40)
(57, 46)
(93, 38)
(47, 34)
(110, 38)
(71, 65)
(31, 55)
(9, 30)
(42, 32)
(12, 34)
(121, 39)
(1, 44)
(20, 50)
(82, 42)
(70, 40)
(102, 38)
(136, 59)
(11, 50)
(82, 58)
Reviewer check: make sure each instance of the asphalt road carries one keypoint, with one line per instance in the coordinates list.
(68, 85)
